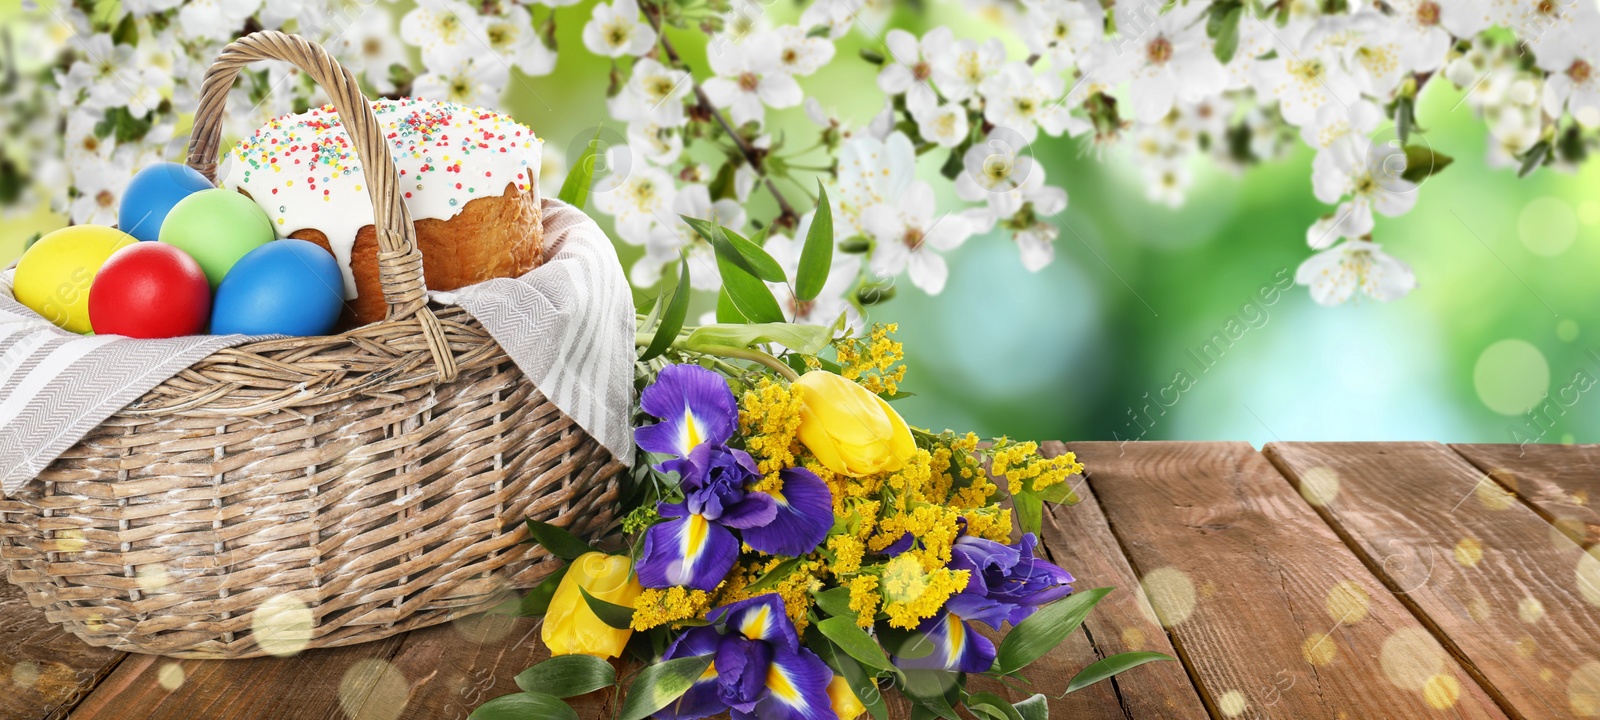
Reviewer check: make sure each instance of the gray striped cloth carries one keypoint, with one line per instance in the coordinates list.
(568, 325)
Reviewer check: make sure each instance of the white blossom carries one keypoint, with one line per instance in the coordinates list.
(473, 81)
(749, 80)
(448, 32)
(1336, 274)
(908, 66)
(615, 30)
(909, 236)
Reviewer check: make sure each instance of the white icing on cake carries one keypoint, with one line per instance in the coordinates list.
(303, 171)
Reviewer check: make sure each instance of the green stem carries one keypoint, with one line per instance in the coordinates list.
(755, 356)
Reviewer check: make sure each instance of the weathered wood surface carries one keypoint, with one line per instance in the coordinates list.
(1079, 539)
(1399, 581)
(1271, 613)
(1514, 597)
(1562, 485)
(43, 670)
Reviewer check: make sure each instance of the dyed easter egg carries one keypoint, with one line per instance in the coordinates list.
(150, 290)
(288, 287)
(151, 195)
(216, 228)
(55, 274)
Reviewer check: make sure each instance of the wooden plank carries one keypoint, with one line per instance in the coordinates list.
(1271, 613)
(1518, 601)
(44, 671)
(1561, 482)
(452, 669)
(1077, 538)
(314, 685)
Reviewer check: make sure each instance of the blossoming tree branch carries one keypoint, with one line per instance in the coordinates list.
(1237, 81)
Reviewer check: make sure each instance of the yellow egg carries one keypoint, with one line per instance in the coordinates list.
(54, 276)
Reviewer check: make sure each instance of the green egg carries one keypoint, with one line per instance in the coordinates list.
(216, 228)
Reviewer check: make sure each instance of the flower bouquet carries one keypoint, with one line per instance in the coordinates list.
(793, 549)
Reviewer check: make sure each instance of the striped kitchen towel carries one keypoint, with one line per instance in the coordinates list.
(568, 324)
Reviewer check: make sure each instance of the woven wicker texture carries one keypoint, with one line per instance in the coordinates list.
(356, 486)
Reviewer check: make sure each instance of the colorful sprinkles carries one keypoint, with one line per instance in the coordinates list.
(416, 129)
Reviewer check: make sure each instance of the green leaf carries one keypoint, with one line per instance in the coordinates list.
(127, 32)
(995, 707)
(1060, 494)
(575, 189)
(537, 602)
(1224, 29)
(804, 339)
(1534, 157)
(863, 685)
(672, 319)
(856, 642)
(557, 541)
(658, 685)
(524, 705)
(1112, 666)
(836, 602)
(927, 689)
(1036, 707)
(749, 295)
(816, 258)
(568, 676)
(1046, 629)
(611, 614)
(773, 576)
(727, 313)
(1030, 511)
(1423, 161)
(741, 252)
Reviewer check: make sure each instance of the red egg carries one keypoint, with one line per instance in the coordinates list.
(150, 290)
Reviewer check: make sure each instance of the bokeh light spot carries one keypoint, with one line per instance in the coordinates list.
(373, 689)
(1133, 638)
(1171, 595)
(24, 674)
(1232, 703)
(1527, 646)
(282, 626)
(70, 541)
(1589, 212)
(1480, 609)
(1441, 691)
(1410, 658)
(484, 628)
(1491, 495)
(1347, 602)
(1319, 485)
(1583, 690)
(170, 677)
(153, 578)
(1589, 575)
(1319, 649)
(1547, 226)
(1511, 377)
(1565, 530)
(1468, 552)
(1530, 610)
(1567, 330)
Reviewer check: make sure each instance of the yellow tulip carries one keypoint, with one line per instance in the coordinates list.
(570, 627)
(851, 431)
(845, 703)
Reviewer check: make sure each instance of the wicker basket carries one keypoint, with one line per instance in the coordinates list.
(309, 492)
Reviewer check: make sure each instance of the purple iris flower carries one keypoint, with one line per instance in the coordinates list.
(697, 547)
(759, 669)
(1007, 583)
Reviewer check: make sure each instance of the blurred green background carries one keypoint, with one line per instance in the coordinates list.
(1506, 311)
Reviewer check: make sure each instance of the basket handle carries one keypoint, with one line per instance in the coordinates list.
(399, 260)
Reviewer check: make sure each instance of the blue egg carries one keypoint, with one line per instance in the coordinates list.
(152, 193)
(285, 287)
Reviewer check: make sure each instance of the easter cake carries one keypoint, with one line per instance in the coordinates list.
(470, 178)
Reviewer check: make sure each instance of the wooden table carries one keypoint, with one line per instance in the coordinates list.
(1392, 580)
